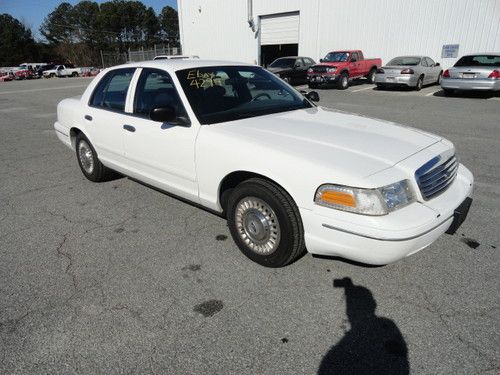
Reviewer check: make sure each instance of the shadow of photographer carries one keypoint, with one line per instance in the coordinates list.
(373, 345)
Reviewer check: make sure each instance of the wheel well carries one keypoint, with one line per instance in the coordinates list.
(232, 180)
(73, 133)
(345, 71)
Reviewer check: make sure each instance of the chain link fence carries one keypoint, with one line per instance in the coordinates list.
(116, 58)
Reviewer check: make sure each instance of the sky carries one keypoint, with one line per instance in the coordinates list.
(32, 12)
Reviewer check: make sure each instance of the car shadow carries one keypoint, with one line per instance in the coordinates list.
(353, 83)
(347, 261)
(372, 345)
(468, 94)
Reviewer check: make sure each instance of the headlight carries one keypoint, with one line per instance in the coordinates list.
(375, 202)
(310, 70)
(331, 70)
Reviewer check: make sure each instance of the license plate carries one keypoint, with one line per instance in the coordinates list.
(390, 79)
(459, 215)
(468, 75)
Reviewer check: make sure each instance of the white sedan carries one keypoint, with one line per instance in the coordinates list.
(289, 176)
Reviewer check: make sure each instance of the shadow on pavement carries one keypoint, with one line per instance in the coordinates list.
(373, 345)
(468, 94)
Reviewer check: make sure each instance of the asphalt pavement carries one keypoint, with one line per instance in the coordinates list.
(118, 278)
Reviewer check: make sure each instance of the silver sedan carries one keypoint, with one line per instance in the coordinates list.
(409, 71)
(473, 72)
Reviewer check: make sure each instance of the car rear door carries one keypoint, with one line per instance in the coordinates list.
(105, 115)
(161, 154)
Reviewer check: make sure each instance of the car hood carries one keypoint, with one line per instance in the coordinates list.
(358, 145)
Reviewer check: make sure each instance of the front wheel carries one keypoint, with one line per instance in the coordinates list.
(265, 223)
(74, 74)
(371, 76)
(343, 81)
(440, 76)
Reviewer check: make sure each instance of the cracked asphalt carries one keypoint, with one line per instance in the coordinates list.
(118, 278)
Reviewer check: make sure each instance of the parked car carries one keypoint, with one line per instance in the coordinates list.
(67, 70)
(479, 72)
(21, 74)
(291, 69)
(286, 174)
(5, 77)
(409, 71)
(339, 67)
(44, 68)
(90, 72)
(174, 57)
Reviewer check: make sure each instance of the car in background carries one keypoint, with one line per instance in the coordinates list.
(90, 72)
(175, 57)
(291, 69)
(479, 71)
(21, 74)
(44, 68)
(67, 70)
(409, 71)
(6, 77)
(340, 67)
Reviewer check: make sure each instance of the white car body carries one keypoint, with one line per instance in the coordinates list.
(62, 71)
(299, 150)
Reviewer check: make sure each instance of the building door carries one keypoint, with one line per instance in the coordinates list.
(279, 36)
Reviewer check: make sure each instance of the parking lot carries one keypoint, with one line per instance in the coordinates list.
(119, 278)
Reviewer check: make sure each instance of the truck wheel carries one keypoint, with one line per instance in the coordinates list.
(343, 81)
(265, 223)
(371, 76)
(88, 161)
(74, 74)
(420, 83)
(52, 75)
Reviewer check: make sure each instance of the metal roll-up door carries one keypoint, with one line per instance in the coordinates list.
(279, 29)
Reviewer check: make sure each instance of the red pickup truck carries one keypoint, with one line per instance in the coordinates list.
(339, 67)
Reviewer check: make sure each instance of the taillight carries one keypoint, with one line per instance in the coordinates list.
(495, 74)
(407, 71)
(446, 74)
(380, 71)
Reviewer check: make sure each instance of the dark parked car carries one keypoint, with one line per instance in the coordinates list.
(43, 68)
(292, 69)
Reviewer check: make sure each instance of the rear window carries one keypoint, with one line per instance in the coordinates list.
(479, 60)
(402, 61)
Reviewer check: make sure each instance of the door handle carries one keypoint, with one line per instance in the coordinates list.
(129, 128)
(88, 117)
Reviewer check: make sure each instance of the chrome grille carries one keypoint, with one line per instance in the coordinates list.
(319, 69)
(435, 176)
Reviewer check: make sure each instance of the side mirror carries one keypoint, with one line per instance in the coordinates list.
(313, 96)
(297, 65)
(437, 64)
(167, 114)
(321, 60)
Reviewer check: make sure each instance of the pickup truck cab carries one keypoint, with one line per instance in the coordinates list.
(340, 67)
(289, 176)
(62, 71)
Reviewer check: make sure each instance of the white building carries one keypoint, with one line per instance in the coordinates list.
(220, 29)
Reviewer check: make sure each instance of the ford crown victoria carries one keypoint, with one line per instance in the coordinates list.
(288, 175)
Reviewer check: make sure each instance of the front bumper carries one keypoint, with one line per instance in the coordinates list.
(409, 80)
(385, 239)
(319, 78)
(470, 84)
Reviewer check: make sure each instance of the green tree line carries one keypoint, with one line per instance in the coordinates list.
(77, 33)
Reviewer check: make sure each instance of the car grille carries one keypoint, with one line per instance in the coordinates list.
(319, 69)
(434, 177)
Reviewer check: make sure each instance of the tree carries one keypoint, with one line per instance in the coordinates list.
(58, 25)
(151, 27)
(17, 42)
(169, 22)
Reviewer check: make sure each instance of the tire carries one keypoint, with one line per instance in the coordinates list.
(420, 83)
(265, 223)
(74, 74)
(448, 92)
(52, 75)
(438, 82)
(313, 85)
(371, 76)
(343, 82)
(88, 161)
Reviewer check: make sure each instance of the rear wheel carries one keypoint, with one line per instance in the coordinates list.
(90, 165)
(343, 81)
(420, 83)
(74, 74)
(265, 223)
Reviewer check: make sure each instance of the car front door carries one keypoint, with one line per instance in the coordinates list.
(433, 70)
(354, 67)
(104, 116)
(161, 154)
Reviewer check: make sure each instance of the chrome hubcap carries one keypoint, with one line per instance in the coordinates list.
(257, 225)
(86, 157)
(344, 81)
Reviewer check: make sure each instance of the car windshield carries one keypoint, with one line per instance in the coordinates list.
(337, 57)
(401, 61)
(227, 93)
(282, 63)
(479, 60)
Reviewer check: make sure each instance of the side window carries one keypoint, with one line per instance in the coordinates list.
(111, 91)
(299, 63)
(430, 62)
(156, 89)
(355, 57)
(424, 62)
(309, 61)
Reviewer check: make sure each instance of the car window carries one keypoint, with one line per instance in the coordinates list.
(308, 61)
(424, 62)
(404, 60)
(282, 63)
(479, 60)
(336, 57)
(354, 56)
(156, 89)
(227, 93)
(299, 63)
(111, 91)
(430, 62)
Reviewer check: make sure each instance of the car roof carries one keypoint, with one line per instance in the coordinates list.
(483, 53)
(179, 64)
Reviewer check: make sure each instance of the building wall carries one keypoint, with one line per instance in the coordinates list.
(384, 28)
